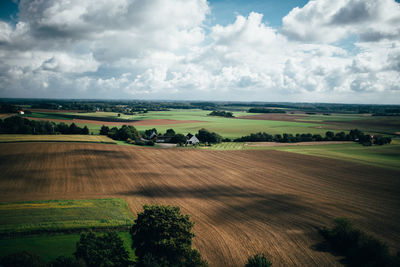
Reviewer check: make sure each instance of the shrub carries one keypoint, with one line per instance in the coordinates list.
(359, 248)
(150, 143)
(258, 260)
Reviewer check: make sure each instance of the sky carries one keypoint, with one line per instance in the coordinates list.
(342, 51)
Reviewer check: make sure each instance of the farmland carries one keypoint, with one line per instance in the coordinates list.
(387, 156)
(184, 121)
(49, 247)
(61, 215)
(191, 120)
(7, 138)
(241, 201)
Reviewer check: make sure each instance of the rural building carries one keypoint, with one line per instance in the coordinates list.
(152, 135)
(21, 112)
(191, 139)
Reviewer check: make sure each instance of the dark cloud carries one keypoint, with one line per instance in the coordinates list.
(354, 13)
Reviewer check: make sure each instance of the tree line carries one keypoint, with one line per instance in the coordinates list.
(18, 125)
(265, 110)
(221, 113)
(354, 135)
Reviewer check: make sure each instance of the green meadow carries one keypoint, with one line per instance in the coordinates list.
(49, 247)
(63, 215)
(236, 127)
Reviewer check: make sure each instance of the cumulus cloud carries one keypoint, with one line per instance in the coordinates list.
(331, 21)
(160, 49)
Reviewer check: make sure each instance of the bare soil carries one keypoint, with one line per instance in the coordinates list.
(273, 117)
(242, 202)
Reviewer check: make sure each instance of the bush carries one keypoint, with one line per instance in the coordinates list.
(162, 236)
(359, 248)
(150, 143)
(258, 260)
(139, 143)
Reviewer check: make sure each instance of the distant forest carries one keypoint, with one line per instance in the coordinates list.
(140, 106)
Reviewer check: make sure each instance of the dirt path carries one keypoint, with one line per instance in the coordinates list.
(242, 202)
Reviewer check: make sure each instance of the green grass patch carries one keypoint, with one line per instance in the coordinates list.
(63, 215)
(49, 247)
(387, 156)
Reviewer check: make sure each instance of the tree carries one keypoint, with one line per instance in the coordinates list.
(162, 235)
(178, 139)
(170, 132)
(148, 132)
(209, 137)
(73, 129)
(85, 130)
(22, 259)
(258, 260)
(329, 135)
(104, 130)
(105, 250)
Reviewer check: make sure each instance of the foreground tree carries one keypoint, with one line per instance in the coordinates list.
(258, 260)
(162, 237)
(105, 250)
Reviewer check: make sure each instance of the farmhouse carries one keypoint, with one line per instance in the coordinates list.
(191, 139)
(21, 112)
(152, 135)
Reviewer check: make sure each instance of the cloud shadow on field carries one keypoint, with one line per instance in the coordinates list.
(236, 203)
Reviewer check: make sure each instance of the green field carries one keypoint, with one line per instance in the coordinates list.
(234, 127)
(63, 215)
(6, 138)
(387, 156)
(50, 247)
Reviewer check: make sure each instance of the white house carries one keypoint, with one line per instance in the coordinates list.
(192, 139)
(21, 112)
(152, 135)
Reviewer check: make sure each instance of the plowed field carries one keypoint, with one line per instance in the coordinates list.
(241, 201)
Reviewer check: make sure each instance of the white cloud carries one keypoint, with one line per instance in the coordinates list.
(330, 21)
(160, 49)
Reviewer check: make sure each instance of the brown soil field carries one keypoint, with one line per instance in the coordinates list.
(297, 144)
(274, 117)
(242, 202)
(56, 110)
(108, 123)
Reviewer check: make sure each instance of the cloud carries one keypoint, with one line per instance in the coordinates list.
(159, 49)
(331, 21)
